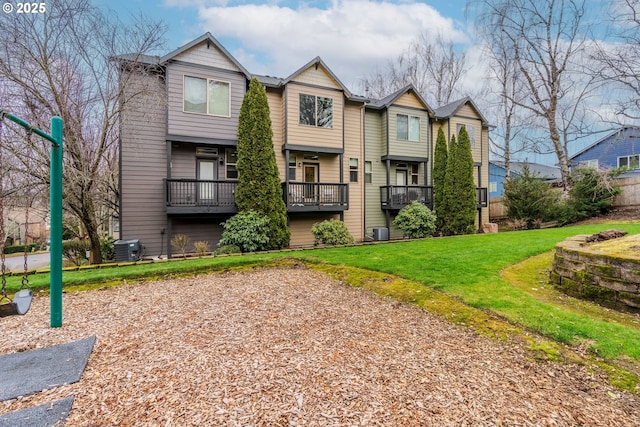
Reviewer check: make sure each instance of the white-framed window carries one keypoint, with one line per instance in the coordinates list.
(408, 127)
(368, 172)
(231, 155)
(206, 96)
(493, 186)
(292, 168)
(316, 111)
(591, 163)
(353, 170)
(414, 174)
(629, 162)
(471, 130)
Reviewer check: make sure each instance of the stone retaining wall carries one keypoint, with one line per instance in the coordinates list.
(609, 279)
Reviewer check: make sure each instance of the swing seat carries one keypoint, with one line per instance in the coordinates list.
(19, 305)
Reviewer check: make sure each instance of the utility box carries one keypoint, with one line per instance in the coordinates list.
(127, 250)
(381, 234)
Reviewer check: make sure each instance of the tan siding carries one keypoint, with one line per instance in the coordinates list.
(318, 77)
(300, 227)
(210, 56)
(143, 167)
(354, 217)
(313, 135)
(409, 100)
(276, 108)
(374, 149)
(202, 125)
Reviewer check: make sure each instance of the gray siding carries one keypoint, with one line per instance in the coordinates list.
(201, 229)
(202, 125)
(143, 165)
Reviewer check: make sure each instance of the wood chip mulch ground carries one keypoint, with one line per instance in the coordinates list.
(291, 347)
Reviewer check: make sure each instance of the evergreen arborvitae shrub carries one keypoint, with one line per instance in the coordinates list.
(528, 198)
(248, 230)
(415, 221)
(331, 232)
(464, 212)
(259, 188)
(439, 174)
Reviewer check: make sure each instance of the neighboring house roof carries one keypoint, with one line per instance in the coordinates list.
(607, 138)
(547, 173)
(449, 110)
(388, 100)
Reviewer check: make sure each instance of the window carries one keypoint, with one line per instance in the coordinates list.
(493, 187)
(292, 168)
(367, 172)
(629, 162)
(206, 96)
(591, 163)
(471, 130)
(414, 174)
(316, 111)
(408, 127)
(232, 159)
(353, 170)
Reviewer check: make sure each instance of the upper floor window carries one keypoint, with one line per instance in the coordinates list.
(206, 96)
(231, 155)
(630, 162)
(367, 172)
(353, 170)
(471, 130)
(316, 111)
(408, 127)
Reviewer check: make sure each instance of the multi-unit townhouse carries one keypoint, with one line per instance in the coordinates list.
(339, 155)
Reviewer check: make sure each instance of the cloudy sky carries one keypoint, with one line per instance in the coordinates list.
(276, 37)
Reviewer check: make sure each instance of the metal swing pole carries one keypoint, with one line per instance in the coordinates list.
(55, 171)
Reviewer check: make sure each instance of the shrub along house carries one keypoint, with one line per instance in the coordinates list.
(178, 140)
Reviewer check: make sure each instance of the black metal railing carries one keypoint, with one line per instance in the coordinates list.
(396, 197)
(482, 198)
(313, 196)
(200, 193)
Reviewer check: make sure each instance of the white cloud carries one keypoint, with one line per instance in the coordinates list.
(353, 37)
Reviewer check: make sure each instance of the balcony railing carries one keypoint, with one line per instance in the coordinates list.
(316, 196)
(184, 196)
(482, 197)
(395, 197)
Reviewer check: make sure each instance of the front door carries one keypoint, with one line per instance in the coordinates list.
(311, 178)
(207, 171)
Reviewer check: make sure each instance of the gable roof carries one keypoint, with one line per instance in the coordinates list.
(209, 39)
(606, 138)
(277, 82)
(388, 100)
(449, 110)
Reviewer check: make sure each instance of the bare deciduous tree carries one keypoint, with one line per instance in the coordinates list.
(547, 39)
(62, 63)
(621, 57)
(433, 67)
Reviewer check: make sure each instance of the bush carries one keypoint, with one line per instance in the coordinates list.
(415, 221)
(75, 251)
(108, 249)
(181, 241)
(591, 192)
(331, 232)
(227, 249)
(19, 248)
(202, 248)
(530, 199)
(247, 230)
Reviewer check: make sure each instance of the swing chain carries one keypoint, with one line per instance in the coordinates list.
(25, 275)
(2, 233)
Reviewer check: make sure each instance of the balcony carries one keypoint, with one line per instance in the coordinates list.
(482, 198)
(395, 197)
(193, 196)
(316, 197)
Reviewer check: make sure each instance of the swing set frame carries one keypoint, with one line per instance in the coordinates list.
(55, 171)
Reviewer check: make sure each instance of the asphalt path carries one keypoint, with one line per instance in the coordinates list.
(34, 261)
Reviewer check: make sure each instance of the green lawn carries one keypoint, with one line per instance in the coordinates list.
(466, 267)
